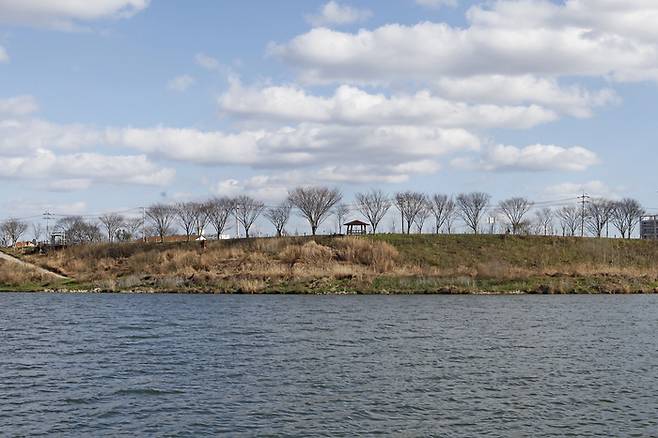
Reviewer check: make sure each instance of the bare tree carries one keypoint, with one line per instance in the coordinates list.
(373, 206)
(132, 227)
(37, 231)
(626, 215)
(599, 213)
(247, 210)
(471, 206)
(409, 204)
(186, 216)
(544, 219)
(13, 229)
(315, 203)
(515, 210)
(77, 231)
(112, 222)
(424, 213)
(203, 212)
(569, 217)
(341, 211)
(221, 210)
(443, 209)
(279, 216)
(162, 217)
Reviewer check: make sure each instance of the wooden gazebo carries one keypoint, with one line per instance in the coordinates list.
(356, 228)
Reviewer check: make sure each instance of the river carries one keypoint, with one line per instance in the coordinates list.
(183, 365)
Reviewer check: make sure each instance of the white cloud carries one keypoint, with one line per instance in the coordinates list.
(264, 187)
(334, 13)
(530, 158)
(600, 38)
(20, 135)
(181, 83)
(65, 14)
(68, 185)
(306, 144)
(594, 189)
(274, 187)
(499, 89)
(18, 106)
(437, 3)
(126, 169)
(353, 106)
(207, 62)
(4, 57)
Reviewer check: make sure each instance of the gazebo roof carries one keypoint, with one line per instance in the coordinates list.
(356, 222)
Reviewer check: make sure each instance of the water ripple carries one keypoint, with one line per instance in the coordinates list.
(168, 365)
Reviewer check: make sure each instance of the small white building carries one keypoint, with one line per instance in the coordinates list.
(649, 227)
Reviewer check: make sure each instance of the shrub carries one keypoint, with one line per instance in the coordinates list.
(381, 256)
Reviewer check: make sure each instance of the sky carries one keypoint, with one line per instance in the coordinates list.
(115, 104)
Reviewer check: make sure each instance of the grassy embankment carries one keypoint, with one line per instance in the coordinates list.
(373, 264)
(16, 278)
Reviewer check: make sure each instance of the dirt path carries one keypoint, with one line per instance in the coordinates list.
(13, 259)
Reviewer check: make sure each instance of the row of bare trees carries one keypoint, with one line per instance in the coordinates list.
(594, 217)
(316, 204)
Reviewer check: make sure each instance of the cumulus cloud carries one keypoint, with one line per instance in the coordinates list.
(181, 83)
(66, 15)
(18, 106)
(18, 135)
(571, 100)
(536, 157)
(334, 13)
(125, 169)
(601, 38)
(353, 106)
(306, 144)
(4, 57)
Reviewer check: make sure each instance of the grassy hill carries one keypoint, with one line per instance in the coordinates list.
(372, 264)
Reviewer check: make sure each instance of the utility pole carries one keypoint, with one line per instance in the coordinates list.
(584, 199)
(47, 216)
(143, 224)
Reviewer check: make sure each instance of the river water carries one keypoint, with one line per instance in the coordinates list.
(181, 365)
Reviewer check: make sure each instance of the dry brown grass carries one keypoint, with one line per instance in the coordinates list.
(12, 274)
(381, 256)
(257, 265)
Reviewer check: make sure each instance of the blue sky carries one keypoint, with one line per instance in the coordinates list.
(122, 103)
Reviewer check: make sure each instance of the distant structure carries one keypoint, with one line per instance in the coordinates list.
(57, 238)
(649, 227)
(356, 228)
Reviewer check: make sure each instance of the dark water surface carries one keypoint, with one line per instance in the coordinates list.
(178, 365)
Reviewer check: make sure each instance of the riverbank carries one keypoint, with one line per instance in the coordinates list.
(381, 264)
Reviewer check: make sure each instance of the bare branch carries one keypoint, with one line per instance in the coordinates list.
(341, 211)
(112, 223)
(471, 206)
(373, 206)
(247, 210)
(220, 210)
(279, 216)
(569, 217)
(13, 229)
(514, 210)
(315, 203)
(443, 209)
(162, 217)
(409, 204)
